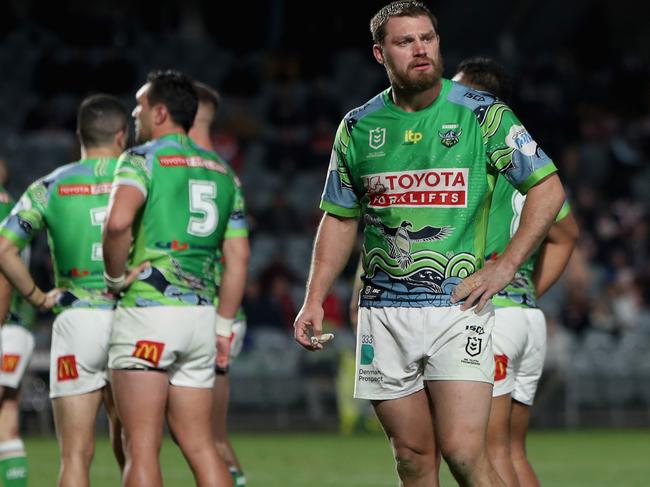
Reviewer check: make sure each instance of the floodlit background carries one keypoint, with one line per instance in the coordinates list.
(288, 71)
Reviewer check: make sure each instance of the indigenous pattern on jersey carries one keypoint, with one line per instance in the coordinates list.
(423, 183)
(71, 204)
(505, 213)
(191, 195)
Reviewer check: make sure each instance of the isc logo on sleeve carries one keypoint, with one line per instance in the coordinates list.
(148, 351)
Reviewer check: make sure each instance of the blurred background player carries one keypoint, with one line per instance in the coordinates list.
(71, 204)
(172, 201)
(424, 358)
(16, 345)
(519, 334)
(234, 256)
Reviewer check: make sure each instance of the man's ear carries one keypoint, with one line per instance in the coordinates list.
(378, 52)
(160, 114)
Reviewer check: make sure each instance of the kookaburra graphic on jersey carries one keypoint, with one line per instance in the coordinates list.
(399, 239)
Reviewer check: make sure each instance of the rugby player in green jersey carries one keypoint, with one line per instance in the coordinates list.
(17, 345)
(71, 204)
(419, 162)
(171, 204)
(232, 266)
(519, 334)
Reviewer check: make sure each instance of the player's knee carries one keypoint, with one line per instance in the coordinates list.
(413, 463)
(463, 455)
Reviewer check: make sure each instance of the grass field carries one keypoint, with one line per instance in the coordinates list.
(562, 459)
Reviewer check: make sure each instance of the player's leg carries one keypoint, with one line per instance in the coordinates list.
(220, 398)
(78, 362)
(519, 418)
(18, 345)
(189, 412)
(114, 426)
(459, 375)
(189, 409)
(389, 373)
(140, 401)
(527, 378)
(408, 425)
(74, 418)
(509, 338)
(13, 457)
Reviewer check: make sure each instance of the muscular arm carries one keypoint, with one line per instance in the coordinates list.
(116, 241)
(236, 252)
(555, 253)
(5, 298)
(543, 202)
(332, 248)
(17, 273)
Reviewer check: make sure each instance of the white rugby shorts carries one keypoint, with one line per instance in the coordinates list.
(180, 340)
(519, 341)
(400, 348)
(17, 349)
(237, 339)
(79, 351)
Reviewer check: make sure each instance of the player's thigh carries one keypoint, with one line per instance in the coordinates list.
(499, 423)
(17, 349)
(9, 414)
(509, 339)
(220, 398)
(408, 423)
(519, 419)
(460, 411)
(531, 364)
(189, 411)
(389, 353)
(74, 419)
(79, 351)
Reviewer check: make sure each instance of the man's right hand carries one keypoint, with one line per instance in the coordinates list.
(309, 319)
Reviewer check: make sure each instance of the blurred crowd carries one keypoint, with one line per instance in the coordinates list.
(281, 108)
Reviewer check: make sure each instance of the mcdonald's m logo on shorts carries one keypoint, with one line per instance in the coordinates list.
(10, 362)
(500, 367)
(149, 351)
(66, 368)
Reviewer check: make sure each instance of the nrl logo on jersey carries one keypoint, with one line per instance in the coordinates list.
(449, 135)
(377, 137)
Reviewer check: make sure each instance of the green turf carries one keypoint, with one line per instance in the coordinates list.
(571, 459)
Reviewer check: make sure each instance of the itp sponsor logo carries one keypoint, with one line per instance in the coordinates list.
(411, 137)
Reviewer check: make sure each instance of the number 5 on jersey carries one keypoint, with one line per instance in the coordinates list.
(97, 218)
(202, 201)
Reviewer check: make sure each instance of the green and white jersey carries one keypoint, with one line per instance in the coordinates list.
(71, 204)
(505, 213)
(423, 182)
(190, 197)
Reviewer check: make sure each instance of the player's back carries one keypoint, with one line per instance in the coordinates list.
(190, 195)
(71, 204)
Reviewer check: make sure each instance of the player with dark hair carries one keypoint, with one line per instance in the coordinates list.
(71, 204)
(171, 204)
(232, 264)
(519, 334)
(418, 162)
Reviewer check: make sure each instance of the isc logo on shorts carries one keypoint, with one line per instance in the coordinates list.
(10, 362)
(66, 368)
(500, 367)
(149, 351)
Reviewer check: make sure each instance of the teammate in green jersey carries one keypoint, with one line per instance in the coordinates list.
(71, 204)
(171, 204)
(519, 334)
(232, 266)
(419, 162)
(17, 341)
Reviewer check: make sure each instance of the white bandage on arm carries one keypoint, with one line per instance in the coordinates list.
(224, 326)
(114, 284)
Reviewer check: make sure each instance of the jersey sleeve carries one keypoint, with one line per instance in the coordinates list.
(339, 197)
(27, 217)
(512, 151)
(237, 224)
(134, 170)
